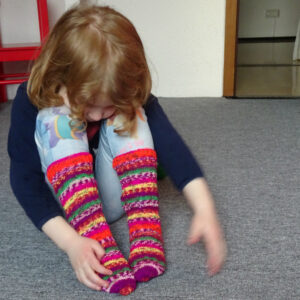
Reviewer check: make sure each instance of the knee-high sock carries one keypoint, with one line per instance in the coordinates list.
(73, 181)
(137, 174)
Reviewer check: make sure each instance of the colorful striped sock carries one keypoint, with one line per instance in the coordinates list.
(73, 181)
(137, 174)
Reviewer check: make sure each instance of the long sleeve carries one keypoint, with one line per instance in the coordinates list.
(173, 154)
(26, 177)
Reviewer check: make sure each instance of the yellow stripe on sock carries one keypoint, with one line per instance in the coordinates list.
(93, 223)
(79, 194)
(118, 261)
(143, 215)
(140, 186)
(146, 250)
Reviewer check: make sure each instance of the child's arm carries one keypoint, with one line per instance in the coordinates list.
(26, 177)
(84, 253)
(172, 152)
(184, 171)
(205, 224)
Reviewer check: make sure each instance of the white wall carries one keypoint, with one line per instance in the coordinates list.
(184, 41)
(55, 9)
(253, 22)
(20, 12)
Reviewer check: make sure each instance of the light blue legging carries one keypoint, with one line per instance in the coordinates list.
(55, 140)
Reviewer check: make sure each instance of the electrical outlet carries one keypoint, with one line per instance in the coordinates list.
(272, 13)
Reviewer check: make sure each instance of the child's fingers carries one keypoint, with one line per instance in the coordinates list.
(99, 251)
(215, 263)
(95, 260)
(96, 266)
(93, 279)
(193, 238)
(216, 250)
(84, 280)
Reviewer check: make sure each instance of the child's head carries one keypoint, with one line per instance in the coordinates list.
(93, 52)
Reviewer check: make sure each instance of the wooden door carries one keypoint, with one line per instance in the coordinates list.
(231, 31)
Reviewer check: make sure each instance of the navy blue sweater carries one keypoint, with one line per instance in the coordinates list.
(28, 181)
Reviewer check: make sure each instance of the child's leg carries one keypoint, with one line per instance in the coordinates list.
(110, 190)
(135, 162)
(69, 167)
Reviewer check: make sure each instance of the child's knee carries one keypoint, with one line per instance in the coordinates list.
(113, 215)
(55, 136)
(140, 139)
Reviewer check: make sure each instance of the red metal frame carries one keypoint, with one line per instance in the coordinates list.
(43, 18)
(22, 52)
(13, 81)
(3, 94)
(14, 75)
(19, 53)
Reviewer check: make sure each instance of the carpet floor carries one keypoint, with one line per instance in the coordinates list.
(250, 153)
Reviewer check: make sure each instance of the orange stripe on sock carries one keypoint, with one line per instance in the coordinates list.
(133, 155)
(101, 235)
(137, 227)
(65, 162)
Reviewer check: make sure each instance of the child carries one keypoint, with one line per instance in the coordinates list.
(93, 69)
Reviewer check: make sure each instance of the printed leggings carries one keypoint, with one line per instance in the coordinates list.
(55, 140)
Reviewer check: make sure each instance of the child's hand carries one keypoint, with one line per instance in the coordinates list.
(206, 226)
(85, 255)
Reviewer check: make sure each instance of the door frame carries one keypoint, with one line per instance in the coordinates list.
(230, 50)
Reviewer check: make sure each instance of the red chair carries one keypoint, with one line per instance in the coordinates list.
(22, 52)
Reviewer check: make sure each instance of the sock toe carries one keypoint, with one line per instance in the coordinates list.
(146, 270)
(123, 285)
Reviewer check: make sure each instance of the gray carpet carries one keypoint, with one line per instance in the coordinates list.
(250, 152)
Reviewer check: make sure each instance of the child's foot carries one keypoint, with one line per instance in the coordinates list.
(146, 259)
(122, 280)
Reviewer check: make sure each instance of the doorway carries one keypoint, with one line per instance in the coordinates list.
(262, 55)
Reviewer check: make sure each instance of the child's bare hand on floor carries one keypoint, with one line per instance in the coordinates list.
(207, 228)
(205, 225)
(85, 255)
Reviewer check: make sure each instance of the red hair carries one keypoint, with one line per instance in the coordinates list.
(91, 51)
